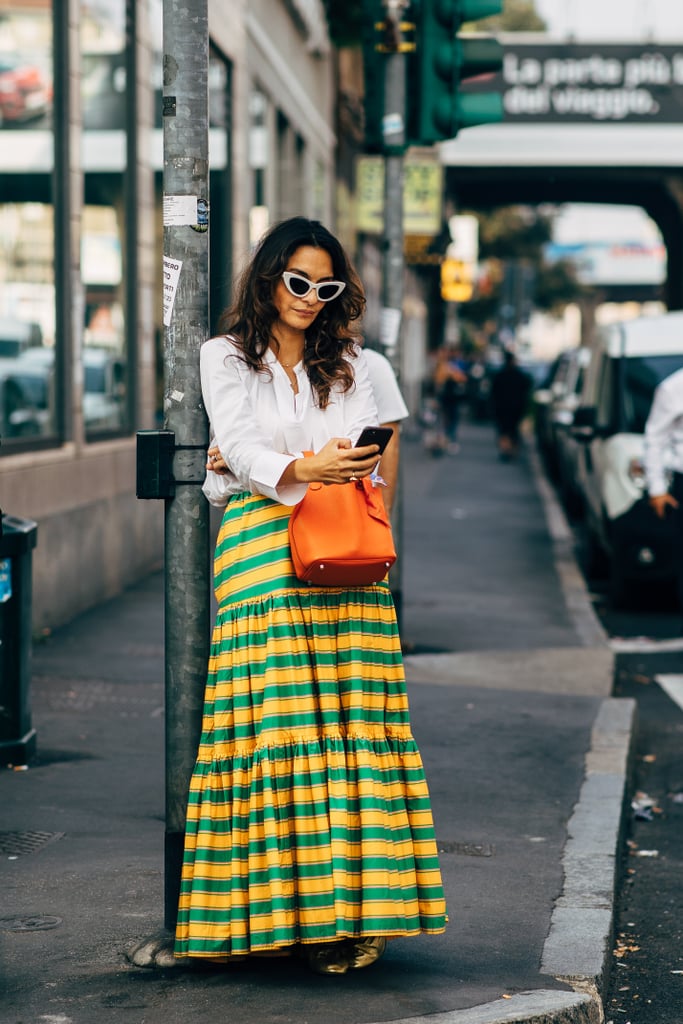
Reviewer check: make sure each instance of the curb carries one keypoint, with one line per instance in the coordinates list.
(577, 949)
(544, 1006)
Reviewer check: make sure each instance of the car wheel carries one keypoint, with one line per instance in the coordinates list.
(621, 588)
(597, 559)
(571, 500)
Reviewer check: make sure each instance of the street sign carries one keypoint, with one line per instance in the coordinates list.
(604, 83)
(422, 195)
(456, 281)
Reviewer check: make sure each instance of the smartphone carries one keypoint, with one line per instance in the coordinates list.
(375, 435)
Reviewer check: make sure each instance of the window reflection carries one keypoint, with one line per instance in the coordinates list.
(27, 294)
(25, 66)
(103, 93)
(27, 321)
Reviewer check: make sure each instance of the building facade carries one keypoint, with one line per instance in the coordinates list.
(81, 333)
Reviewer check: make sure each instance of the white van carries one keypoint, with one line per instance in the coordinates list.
(628, 361)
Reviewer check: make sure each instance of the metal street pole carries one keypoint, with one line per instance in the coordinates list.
(186, 322)
(394, 144)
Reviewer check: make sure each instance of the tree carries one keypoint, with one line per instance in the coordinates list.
(517, 16)
(516, 236)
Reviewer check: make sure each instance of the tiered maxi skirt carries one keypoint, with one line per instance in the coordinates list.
(308, 817)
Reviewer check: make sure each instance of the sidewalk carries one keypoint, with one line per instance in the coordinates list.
(525, 752)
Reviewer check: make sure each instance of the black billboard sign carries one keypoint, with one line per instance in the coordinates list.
(579, 82)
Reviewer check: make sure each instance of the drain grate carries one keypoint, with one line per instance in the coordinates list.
(29, 923)
(15, 844)
(466, 849)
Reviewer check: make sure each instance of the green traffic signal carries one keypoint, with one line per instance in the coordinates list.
(444, 60)
(475, 10)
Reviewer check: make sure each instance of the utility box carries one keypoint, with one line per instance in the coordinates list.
(17, 737)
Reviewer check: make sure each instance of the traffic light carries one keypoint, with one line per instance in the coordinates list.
(373, 74)
(444, 60)
(380, 39)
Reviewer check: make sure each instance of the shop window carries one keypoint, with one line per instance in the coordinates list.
(28, 393)
(106, 359)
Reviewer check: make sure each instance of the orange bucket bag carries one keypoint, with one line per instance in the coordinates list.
(340, 535)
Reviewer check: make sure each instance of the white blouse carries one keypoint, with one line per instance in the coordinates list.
(260, 425)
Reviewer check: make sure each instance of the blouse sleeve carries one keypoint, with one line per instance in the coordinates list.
(664, 413)
(245, 446)
(360, 409)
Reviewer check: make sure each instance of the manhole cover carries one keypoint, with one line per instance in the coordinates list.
(465, 849)
(29, 923)
(15, 844)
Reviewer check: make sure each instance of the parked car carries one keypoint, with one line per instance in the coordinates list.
(628, 361)
(104, 390)
(18, 336)
(566, 448)
(24, 398)
(558, 383)
(25, 93)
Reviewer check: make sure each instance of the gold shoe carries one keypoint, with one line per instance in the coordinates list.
(329, 958)
(367, 951)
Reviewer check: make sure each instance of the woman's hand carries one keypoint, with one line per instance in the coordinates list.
(216, 462)
(336, 463)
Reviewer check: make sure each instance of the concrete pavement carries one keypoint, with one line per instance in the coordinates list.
(526, 754)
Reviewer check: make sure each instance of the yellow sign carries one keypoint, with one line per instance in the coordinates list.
(417, 251)
(422, 196)
(456, 281)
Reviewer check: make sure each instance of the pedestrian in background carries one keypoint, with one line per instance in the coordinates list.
(510, 390)
(309, 826)
(450, 385)
(663, 459)
(391, 410)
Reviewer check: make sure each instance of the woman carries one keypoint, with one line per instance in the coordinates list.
(309, 827)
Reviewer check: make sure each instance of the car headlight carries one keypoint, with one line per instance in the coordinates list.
(636, 473)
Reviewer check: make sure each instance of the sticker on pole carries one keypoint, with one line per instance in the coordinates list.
(389, 326)
(392, 124)
(5, 579)
(180, 211)
(172, 270)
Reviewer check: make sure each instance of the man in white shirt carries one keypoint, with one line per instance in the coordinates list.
(664, 454)
(391, 410)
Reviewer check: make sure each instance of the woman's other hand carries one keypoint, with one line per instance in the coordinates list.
(215, 461)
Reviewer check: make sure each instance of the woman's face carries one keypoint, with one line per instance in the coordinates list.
(299, 312)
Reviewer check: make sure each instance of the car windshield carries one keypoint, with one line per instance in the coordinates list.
(642, 374)
(95, 380)
(35, 388)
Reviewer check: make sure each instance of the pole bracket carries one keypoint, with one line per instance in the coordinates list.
(155, 456)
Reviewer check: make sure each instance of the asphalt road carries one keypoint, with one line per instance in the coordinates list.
(646, 981)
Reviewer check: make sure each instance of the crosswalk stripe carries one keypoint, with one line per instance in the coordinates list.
(673, 686)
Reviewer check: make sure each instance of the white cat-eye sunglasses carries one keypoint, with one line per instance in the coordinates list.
(300, 286)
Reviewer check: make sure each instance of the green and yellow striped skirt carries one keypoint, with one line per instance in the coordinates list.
(308, 817)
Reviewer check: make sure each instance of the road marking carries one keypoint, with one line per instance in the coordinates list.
(673, 686)
(644, 644)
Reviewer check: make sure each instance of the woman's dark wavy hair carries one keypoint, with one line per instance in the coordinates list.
(332, 334)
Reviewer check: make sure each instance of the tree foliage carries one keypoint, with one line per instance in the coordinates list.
(517, 16)
(517, 235)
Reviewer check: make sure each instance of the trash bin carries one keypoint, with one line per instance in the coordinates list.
(17, 737)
